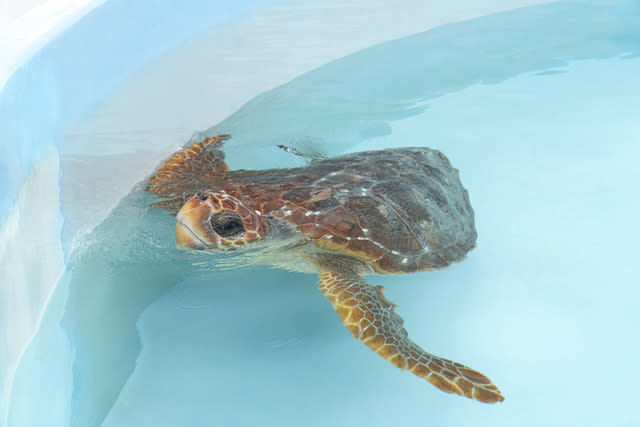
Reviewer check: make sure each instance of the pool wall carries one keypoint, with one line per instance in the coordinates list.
(70, 74)
(37, 103)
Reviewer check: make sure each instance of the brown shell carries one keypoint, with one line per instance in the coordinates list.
(400, 210)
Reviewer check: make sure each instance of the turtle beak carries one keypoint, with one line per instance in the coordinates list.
(193, 230)
(186, 239)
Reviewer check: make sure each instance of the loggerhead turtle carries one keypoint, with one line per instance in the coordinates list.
(390, 211)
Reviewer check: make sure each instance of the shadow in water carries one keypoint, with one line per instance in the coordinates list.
(129, 261)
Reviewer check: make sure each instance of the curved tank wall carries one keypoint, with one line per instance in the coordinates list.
(91, 113)
(43, 97)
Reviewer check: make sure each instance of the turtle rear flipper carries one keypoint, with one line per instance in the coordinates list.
(370, 317)
(188, 171)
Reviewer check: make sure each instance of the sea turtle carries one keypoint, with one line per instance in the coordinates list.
(389, 211)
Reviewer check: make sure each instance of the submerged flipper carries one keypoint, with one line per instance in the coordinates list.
(370, 317)
(188, 171)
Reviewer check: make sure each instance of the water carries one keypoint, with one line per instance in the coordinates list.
(536, 107)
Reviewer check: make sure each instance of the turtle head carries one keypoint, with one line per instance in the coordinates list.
(215, 220)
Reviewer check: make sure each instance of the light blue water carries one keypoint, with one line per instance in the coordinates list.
(538, 108)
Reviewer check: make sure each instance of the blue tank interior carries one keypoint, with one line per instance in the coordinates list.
(537, 107)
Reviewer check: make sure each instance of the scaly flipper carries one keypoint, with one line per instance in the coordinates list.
(370, 317)
(187, 171)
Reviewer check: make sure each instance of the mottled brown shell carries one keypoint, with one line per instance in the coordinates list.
(400, 210)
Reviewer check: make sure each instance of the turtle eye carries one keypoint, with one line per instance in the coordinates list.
(227, 225)
(201, 196)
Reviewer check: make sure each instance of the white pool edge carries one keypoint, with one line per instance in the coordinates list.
(27, 33)
(31, 222)
(19, 41)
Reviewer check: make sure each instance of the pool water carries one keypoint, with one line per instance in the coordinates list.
(538, 109)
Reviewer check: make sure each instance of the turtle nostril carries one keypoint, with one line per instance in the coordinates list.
(201, 196)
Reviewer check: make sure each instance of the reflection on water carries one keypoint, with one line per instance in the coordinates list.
(357, 97)
(158, 339)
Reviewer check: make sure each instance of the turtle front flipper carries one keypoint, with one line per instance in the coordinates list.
(188, 171)
(371, 318)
